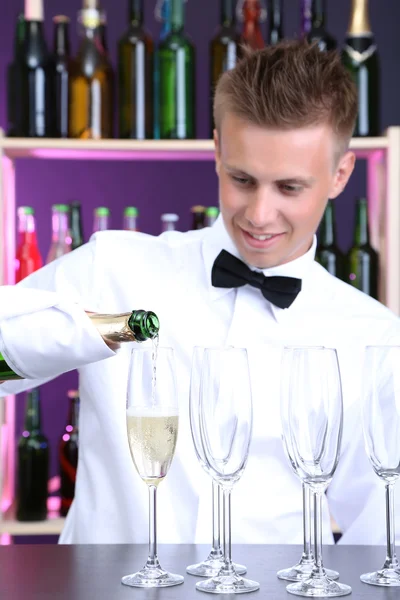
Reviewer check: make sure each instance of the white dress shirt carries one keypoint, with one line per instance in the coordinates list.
(44, 333)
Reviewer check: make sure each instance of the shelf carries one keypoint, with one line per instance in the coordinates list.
(52, 526)
(137, 149)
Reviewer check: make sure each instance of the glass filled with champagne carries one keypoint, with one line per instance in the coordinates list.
(152, 426)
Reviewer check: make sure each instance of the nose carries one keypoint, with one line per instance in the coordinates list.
(261, 210)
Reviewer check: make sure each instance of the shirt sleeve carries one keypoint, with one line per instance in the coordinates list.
(44, 329)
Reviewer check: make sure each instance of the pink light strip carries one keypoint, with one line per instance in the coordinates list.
(64, 154)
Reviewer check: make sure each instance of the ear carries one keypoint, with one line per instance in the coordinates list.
(342, 174)
(217, 152)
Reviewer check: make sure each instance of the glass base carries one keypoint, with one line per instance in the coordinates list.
(212, 566)
(322, 587)
(384, 577)
(227, 584)
(302, 570)
(152, 578)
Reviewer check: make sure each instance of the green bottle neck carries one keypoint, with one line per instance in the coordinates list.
(136, 12)
(32, 412)
(73, 417)
(318, 14)
(361, 236)
(177, 15)
(327, 230)
(228, 17)
(144, 324)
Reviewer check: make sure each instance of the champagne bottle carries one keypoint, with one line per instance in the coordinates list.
(68, 454)
(101, 221)
(360, 57)
(306, 17)
(91, 114)
(253, 14)
(33, 464)
(275, 21)
(36, 72)
(318, 32)
(15, 93)
(135, 77)
(199, 217)
(328, 254)
(362, 262)
(224, 49)
(131, 214)
(62, 65)
(163, 13)
(75, 225)
(61, 237)
(135, 326)
(103, 30)
(169, 221)
(177, 80)
(28, 256)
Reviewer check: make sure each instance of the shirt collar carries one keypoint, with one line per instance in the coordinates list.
(217, 238)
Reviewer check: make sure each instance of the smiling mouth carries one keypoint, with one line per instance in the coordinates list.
(261, 237)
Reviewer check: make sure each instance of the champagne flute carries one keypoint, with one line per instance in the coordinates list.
(312, 424)
(381, 425)
(226, 421)
(215, 560)
(152, 425)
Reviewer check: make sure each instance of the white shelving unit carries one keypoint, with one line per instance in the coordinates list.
(383, 184)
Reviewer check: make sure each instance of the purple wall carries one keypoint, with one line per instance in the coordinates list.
(42, 183)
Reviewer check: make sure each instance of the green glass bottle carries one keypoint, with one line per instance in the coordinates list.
(68, 454)
(224, 49)
(135, 326)
(360, 57)
(318, 32)
(328, 254)
(33, 464)
(163, 14)
(362, 262)
(75, 225)
(135, 77)
(177, 80)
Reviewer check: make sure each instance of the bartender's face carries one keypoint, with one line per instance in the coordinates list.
(274, 186)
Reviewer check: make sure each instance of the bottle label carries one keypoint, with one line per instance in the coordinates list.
(360, 57)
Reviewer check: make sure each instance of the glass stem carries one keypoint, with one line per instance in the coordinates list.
(228, 568)
(391, 558)
(318, 571)
(152, 561)
(216, 551)
(307, 552)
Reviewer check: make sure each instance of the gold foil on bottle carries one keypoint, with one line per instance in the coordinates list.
(359, 19)
(113, 328)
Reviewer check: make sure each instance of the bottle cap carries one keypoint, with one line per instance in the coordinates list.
(102, 211)
(26, 210)
(34, 10)
(61, 208)
(170, 217)
(73, 394)
(212, 211)
(61, 19)
(198, 209)
(131, 211)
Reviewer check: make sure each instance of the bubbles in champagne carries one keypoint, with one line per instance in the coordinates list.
(155, 344)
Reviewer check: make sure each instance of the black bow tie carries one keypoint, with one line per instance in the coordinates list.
(229, 272)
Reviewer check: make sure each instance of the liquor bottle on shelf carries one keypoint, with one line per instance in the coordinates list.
(362, 262)
(91, 113)
(176, 55)
(162, 13)
(15, 82)
(199, 217)
(103, 30)
(68, 454)
(62, 65)
(360, 56)
(135, 326)
(101, 221)
(328, 254)
(169, 221)
(252, 13)
(131, 215)
(75, 225)
(135, 77)
(35, 74)
(224, 49)
(318, 32)
(32, 464)
(275, 21)
(61, 237)
(306, 17)
(28, 258)
(211, 215)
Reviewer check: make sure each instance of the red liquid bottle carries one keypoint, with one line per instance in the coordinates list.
(28, 258)
(253, 13)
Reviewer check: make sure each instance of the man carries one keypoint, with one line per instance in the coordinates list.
(284, 118)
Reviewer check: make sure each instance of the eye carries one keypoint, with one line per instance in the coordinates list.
(241, 180)
(291, 188)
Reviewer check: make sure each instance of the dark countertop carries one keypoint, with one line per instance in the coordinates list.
(87, 572)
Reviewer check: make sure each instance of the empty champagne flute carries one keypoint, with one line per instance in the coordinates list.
(152, 425)
(226, 421)
(312, 424)
(215, 560)
(381, 425)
